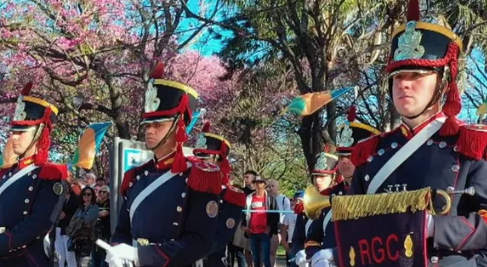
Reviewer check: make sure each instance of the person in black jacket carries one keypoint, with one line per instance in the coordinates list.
(260, 224)
(61, 245)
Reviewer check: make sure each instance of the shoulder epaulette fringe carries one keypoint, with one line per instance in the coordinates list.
(205, 177)
(234, 196)
(128, 178)
(52, 171)
(364, 149)
(472, 141)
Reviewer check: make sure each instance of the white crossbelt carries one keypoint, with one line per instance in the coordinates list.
(17, 176)
(148, 190)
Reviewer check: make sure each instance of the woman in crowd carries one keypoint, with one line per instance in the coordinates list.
(81, 229)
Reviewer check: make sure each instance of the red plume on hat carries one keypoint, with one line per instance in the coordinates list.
(206, 127)
(26, 89)
(413, 11)
(158, 71)
(352, 114)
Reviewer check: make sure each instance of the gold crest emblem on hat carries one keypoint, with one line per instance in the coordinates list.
(409, 44)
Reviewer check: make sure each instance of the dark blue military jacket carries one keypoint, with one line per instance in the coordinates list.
(176, 222)
(299, 234)
(26, 206)
(455, 162)
(232, 203)
(317, 238)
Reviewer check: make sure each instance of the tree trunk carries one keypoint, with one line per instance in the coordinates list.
(310, 133)
(331, 123)
(122, 127)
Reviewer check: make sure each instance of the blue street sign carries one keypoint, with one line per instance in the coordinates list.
(131, 158)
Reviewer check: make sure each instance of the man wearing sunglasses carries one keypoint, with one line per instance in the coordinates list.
(32, 187)
(170, 205)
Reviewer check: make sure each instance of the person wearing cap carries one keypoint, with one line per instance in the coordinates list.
(349, 134)
(214, 148)
(170, 205)
(324, 177)
(32, 187)
(260, 221)
(439, 151)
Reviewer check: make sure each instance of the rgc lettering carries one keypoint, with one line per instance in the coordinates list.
(379, 250)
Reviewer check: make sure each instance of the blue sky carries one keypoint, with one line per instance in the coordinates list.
(206, 45)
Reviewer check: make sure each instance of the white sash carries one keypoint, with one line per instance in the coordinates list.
(407, 150)
(306, 227)
(326, 220)
(397, 159)
(17, 176)
(148, 190)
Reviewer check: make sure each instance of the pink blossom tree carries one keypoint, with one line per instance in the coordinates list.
(103, 50)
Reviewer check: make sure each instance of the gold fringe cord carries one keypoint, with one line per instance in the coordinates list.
(359, 206)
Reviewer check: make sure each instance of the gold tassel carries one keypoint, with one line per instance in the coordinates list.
(359, 206)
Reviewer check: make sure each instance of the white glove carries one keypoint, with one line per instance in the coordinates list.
(430, 225)
(322, 258)
(122, 252)
(301, 259)
(114, 261)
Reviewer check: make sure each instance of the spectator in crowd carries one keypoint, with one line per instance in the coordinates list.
(102, 226)
(101, 181)
(90, 179)
(249, 177)
(81, 229)
(284, 204)
(287, 229)
(66, 257)
(259, 224)
(240, 247)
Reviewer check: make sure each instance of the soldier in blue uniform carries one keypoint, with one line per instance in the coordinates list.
(170, 205)
(349, 134)
(31, 188)
(439, 151)
(214, 148)
(323, 177)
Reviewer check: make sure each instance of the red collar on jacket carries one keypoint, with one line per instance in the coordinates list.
(409, 133)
